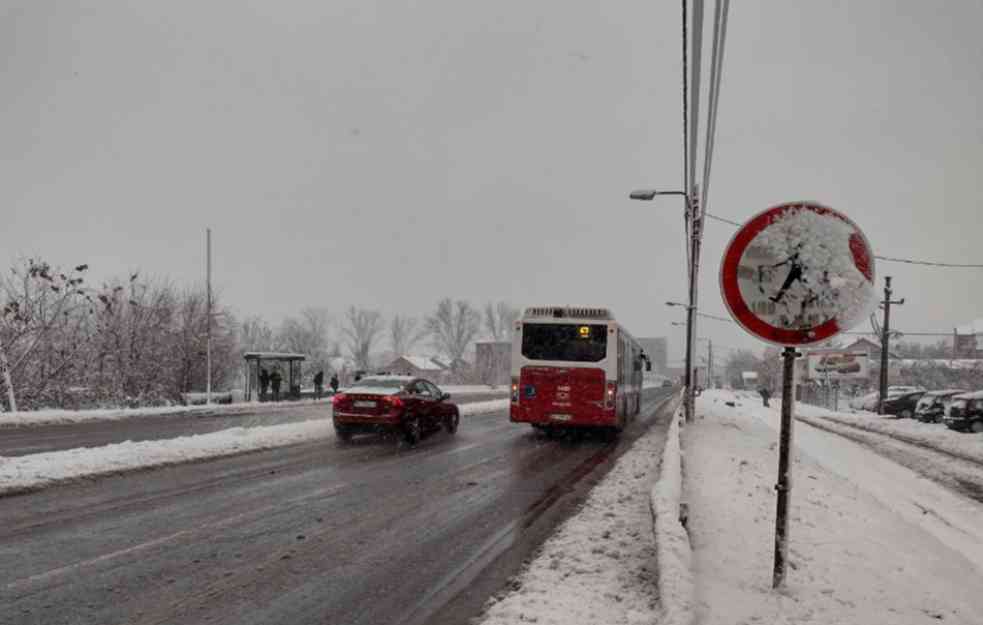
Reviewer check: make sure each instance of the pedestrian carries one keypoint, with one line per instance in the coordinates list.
(264, 383)
(334, 383)
(275, 379)
(319, 384)
(765, 395)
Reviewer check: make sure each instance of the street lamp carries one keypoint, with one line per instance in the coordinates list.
(693, 221)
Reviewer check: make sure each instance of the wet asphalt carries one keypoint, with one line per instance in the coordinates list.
(369, 532)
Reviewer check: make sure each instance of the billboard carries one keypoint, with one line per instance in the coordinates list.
(835, 365)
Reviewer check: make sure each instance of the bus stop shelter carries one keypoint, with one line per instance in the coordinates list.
(257, 361)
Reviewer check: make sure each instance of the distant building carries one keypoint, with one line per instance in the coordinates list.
(968, 340)
(492, 361)
(420, 366)
(657, 349)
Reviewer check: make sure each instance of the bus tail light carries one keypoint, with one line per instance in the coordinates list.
(609, 392)
(515, 390)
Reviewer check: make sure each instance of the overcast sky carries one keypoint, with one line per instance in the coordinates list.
(388, 154)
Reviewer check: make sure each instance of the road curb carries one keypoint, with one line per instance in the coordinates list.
(673, 551)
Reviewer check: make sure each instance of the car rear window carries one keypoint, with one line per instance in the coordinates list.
(565, 341)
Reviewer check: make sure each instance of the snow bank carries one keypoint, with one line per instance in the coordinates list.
(933, 435)
(26, 473)
(870, 541)
(674, 554)
(35, 471)
(481, 407)
(600, 565)
(56, 417)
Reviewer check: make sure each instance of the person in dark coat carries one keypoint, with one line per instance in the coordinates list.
(765, 395)
(334, 383)
(275, 379)
(319, 384)
(264, 383)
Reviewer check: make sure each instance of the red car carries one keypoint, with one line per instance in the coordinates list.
(403, 404)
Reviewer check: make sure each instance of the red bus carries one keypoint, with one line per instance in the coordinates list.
(575, 367)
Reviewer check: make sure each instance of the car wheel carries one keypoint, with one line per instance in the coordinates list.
(343, 433)
(411, 431)
(450, 422)
(976, 427)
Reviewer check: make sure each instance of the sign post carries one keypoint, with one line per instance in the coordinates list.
(796, 274)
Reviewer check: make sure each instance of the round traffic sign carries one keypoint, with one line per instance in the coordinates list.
(798, 274)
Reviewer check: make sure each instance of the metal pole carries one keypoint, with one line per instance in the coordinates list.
(208, 336)
(784, 485)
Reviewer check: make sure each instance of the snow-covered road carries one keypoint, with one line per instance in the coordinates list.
(871, 540)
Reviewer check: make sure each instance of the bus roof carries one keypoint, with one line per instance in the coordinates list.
(561, 312)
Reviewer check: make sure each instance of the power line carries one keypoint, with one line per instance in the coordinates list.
(716, 71)
(889, 259)
(926, 262)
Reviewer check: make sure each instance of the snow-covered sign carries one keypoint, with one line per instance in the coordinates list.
(798, 274)
(837, 364)
(747, 376)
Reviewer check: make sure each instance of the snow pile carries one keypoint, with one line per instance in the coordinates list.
(481, 407)
(600, 565)
(933, 435)
(870, 541)
(826, 248)
(35, 471)
(674, 554)
(25, 473)
(61, 417)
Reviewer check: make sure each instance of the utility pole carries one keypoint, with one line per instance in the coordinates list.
(693, 215)
(208, 331)
(885, 334)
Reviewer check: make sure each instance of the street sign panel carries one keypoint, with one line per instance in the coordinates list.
(837, 364)
(798, 274)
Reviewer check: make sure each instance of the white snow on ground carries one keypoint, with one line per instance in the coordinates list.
(934, 435)
(54, 417)
(600, 565)
(39, 470)
(870, 541)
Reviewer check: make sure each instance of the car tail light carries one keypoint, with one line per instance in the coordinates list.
(337, 399)
(515, 390)
(609, 395)
(393, 401)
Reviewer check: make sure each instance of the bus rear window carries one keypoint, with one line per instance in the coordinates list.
(564, 341)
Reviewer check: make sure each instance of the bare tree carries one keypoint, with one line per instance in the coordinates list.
(453, 326)
(40, 328)
(308, 334)
(405, 333)
(256, 335)
(500, 321)
(361, 330)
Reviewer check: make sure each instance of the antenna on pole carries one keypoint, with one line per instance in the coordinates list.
(208, 331)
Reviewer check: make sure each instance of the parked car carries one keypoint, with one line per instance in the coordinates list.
(931, 406)
(869, 401)
(902, 406)
(965, 413)
(405, 405)
(666, 383)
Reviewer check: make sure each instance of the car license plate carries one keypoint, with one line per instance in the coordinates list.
(560, 417)
(365, 404)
